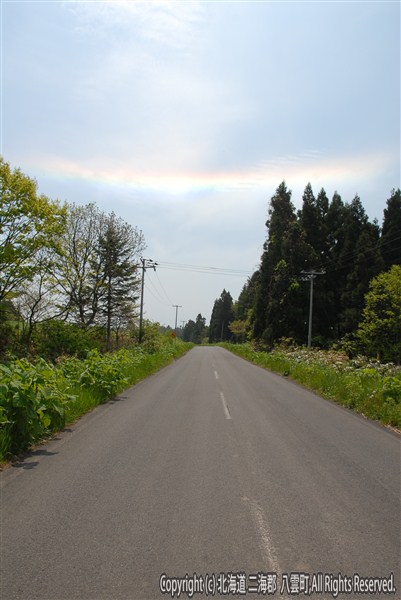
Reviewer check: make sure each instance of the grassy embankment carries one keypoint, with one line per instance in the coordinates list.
(368, 387)
(38, 399)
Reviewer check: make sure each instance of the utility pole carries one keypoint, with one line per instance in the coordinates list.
(146, 264)
(311, 275)
(176, 306)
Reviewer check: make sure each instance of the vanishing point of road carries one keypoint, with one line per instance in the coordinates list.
(211, 466)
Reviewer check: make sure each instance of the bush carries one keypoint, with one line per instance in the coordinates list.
(38, 399)
(55, 338)
(380, 331)
(32, 403)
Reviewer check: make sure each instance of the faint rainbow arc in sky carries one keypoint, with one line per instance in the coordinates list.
(268, 174)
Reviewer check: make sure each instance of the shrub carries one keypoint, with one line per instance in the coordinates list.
(32, 403)
(38, 399)
(55, 338)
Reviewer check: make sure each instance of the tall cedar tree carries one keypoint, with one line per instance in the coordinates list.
(281, 214)
(287, 302)
(350, 300)
(367, 263)
(390, 242)
(222, 316)
(313, 220)
(281, 301)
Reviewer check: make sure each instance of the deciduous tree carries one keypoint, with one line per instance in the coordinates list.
(28, 223)
(380, 329)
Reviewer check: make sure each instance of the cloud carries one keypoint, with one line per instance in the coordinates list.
(163, 22)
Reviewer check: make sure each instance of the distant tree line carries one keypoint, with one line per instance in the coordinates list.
(330, 237)
(195, 331)
(69, 275)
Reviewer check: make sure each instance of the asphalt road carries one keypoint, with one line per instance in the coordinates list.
(211, 466)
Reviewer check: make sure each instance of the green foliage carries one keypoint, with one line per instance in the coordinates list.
(380, 331)
(368, 387)
(38, 399)
(238, 329)
(99, 377)
(195, 331)
(97, 273)
(28, 223)
(390, 239)
(55, 338)
(33, 398)
(281, 216)
(222, 316)
(119, 247)
(334, 238)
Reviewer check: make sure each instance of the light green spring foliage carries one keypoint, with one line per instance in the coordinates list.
(380, 330)
(38, 399)
(28, 223)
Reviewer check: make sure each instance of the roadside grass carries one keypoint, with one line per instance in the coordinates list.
(38, 399)
(368, 387)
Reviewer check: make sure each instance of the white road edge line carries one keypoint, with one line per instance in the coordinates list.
(225, 407)
(263, 529)
(216, 374)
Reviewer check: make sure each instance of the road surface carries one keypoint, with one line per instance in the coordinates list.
(212, 466)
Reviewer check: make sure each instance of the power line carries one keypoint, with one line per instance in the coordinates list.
(157, 297)
(161, 285)
(145, 264)
(160, 298)
(343, 260)
(203, 269)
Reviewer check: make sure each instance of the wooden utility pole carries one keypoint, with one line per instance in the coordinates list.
(176, 306)
(311, 275)
(146, 264)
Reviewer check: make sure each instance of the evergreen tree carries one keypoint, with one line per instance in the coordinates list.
(195, 331)
(366, 265)
(334, 221)
(199, 332)
(390, 242)
(281, 215)
(246, 299)
(287, 301)
(188, 333)
(119, 247)
(312, 218)
(222, 316)
(347, 299)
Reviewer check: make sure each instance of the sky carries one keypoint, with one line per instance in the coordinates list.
(184, 117)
